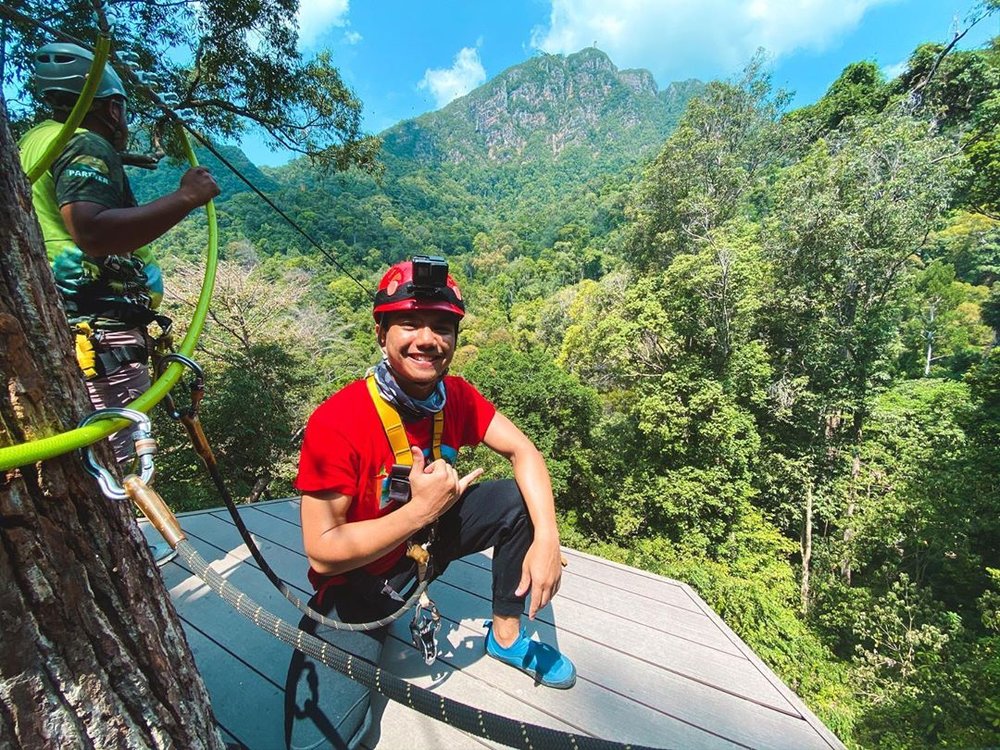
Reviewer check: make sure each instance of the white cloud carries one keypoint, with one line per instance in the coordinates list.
(352, 37)
(896, 70)
(696, 37)
(317, 16)
(450, 83)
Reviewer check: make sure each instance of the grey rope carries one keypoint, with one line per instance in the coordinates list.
(284, 588)
(478, 722)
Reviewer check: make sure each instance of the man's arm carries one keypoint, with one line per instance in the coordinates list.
(334, 545)
(100, 231)
(542, 568)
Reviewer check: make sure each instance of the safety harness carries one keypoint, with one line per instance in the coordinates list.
(426, 618)
(399, 475)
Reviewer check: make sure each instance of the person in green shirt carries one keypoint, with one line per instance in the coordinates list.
(96, 234)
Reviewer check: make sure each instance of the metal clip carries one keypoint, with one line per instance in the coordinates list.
(399, 483)
(424, 628)
(197, 384)
(145, 449)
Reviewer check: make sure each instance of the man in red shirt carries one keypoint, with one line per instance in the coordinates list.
(355, 524)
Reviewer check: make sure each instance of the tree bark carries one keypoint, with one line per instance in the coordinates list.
(93, 654)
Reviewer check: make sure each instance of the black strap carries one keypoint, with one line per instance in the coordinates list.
(109, 360)
(103, 313)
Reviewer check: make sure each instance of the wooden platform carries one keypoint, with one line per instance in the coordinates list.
(656, 665)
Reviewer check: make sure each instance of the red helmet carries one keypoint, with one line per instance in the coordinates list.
(432, 289)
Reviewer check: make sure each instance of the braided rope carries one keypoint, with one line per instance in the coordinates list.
(286, 591)
(478, 722)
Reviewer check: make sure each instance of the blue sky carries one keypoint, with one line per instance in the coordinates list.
(404, 58)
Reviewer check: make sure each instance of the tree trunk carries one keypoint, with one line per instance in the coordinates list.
(259, 488)
(806, 545)
(845, 564)
(929, 336)
(93, 654)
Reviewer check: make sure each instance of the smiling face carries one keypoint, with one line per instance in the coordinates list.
(419, 345)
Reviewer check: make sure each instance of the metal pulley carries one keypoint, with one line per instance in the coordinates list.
(424, 628)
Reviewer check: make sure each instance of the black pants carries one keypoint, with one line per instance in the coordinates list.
(322, 703)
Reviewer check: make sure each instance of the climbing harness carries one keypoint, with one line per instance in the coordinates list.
(426, 620)
(399, 474)
(475, 721)
(97, 359)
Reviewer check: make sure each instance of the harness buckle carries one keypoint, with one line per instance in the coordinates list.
(399, 483)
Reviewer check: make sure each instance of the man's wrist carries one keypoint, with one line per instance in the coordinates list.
(547, 535)
(413, 517)
(186, 200)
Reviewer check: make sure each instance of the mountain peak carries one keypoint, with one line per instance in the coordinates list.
(541, 107)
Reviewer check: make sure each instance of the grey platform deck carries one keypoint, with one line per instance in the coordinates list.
(656, 665)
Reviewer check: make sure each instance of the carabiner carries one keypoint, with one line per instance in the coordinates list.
(197, 384)
(145, 449)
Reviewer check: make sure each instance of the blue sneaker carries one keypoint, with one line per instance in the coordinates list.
(541, 661)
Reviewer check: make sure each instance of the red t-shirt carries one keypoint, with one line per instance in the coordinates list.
(346, 450)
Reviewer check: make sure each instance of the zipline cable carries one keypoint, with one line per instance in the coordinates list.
(232, 168)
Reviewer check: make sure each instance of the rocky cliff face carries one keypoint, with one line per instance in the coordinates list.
(541, 107)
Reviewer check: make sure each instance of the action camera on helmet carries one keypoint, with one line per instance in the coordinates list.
(430, 273)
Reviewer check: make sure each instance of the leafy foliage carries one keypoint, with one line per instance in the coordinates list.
(230, 64)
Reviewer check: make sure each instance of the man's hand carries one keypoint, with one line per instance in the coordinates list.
(435, 487)
(198, 186)
(541, 571)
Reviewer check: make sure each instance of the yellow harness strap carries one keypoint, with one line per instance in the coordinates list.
(85, 355)
(393, 426)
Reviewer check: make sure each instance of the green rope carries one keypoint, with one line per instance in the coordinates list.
(56, 445)
(80, 110)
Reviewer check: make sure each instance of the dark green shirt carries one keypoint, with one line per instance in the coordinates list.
(89, 169)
